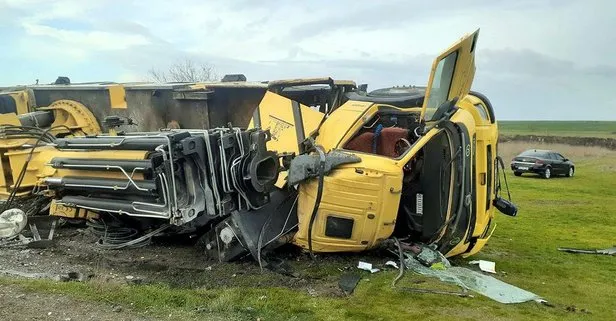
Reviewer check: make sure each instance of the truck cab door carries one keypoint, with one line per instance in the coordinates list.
(451, 76)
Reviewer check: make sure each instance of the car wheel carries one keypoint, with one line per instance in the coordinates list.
(517, 173)
(547, 173)
(571, 172)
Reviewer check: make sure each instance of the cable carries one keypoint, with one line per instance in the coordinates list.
(375, 138)
(117, 237)
(401, 258)
(22, 173)
(502, 165)
(317, 201)
(269, 219)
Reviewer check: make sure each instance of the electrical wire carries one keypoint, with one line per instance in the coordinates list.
(401, 258)
(22, 173)
(502, 165)
(269, 219)
(13, 131)
(112, 237)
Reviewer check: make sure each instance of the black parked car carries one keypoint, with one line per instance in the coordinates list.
(546, 163)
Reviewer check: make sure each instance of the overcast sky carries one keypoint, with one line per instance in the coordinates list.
(535, 59)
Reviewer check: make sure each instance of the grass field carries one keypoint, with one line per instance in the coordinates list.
(570, 212)
(559, 128)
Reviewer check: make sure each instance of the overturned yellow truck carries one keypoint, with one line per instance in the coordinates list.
(416, 163)
(344, 175)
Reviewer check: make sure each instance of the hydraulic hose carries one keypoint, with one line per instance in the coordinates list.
(22, 173)
(317, 200)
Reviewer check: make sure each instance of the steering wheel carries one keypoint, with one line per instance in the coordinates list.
(401, 146)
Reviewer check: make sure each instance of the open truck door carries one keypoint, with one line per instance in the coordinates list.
(451, 76)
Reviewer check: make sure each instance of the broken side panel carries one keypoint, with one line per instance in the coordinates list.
(281, 117)
(252, 232)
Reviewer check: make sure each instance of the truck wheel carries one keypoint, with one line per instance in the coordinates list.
(547, 173)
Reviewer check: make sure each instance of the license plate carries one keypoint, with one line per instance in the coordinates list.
(523, 168)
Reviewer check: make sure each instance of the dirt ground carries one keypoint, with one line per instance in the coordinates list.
(17, 304)
(175, 264)
(75, 258)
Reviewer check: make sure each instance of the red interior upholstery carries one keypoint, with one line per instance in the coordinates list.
(361, 143)
(386, 144)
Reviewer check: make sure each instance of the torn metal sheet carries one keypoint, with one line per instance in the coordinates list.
(41, 225)
(348, 282)
(463, 294)
(608, 251)
(468, 279)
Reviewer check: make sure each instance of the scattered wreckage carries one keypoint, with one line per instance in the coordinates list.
(344, 175)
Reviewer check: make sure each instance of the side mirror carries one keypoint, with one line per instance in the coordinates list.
(565, 159)
(504, 206)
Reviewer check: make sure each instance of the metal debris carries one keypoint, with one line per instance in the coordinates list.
(366, 267)
(471, 280)
(348, 282)
(73, 276)
(608, 251)
(39, 225)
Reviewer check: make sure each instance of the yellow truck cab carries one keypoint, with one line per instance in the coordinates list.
(420, 166)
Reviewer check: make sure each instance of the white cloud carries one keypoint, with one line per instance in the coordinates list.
(553, 49)
(86, 40)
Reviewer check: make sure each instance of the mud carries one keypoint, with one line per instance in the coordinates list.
(177, 265)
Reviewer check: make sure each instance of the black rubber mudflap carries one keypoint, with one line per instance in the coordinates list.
(238, 235)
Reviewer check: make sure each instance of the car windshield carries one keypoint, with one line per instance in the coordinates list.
(533, 153)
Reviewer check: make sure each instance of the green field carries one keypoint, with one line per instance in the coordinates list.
(559, 128)
(570, 212)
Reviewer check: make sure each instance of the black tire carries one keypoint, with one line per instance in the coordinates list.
(517, 173)
(571, 172)
(547, 173)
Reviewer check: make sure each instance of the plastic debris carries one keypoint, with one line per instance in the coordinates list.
(429, 256)
(366, 267)
(471, 280)
(608, 251)
(12, 222)
(485, 266)
(392, 264)
(433, 291)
